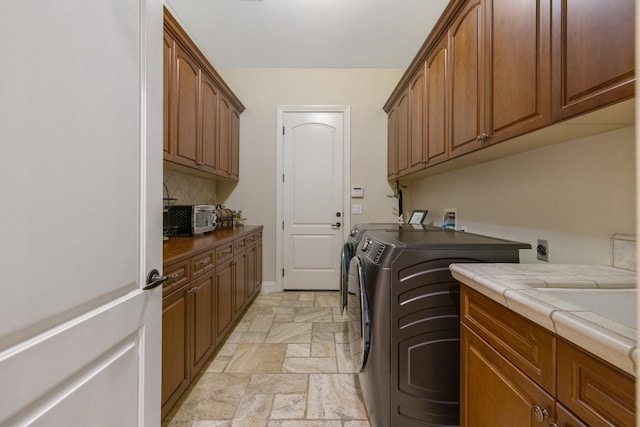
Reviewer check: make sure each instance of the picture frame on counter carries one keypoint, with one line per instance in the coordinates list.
(418, 216)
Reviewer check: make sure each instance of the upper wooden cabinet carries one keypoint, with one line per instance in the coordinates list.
(593, 54)
(467, 80)
(492, 70)
(195, 134)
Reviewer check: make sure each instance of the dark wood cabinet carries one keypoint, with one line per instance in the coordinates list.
(466, 77)
(593, 54)
(196, 133)
(168, 50)
(392, 143)
(208, 124)
(417, 115)
(175, 347)
(493, 70)
(202, 305)
(436, 105)
(514, 372)
(185, 106)
(518, 67)
(207, 291)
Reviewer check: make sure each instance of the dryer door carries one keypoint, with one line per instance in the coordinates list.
(359, 317)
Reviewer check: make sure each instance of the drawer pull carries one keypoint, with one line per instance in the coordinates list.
(175, 276)
(203, 262)
(225, 253)
(540, 414)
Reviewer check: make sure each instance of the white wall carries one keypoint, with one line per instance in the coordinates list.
(261, 91)
(575, 195)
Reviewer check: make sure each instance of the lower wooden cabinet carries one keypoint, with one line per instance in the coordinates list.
(204, 297)
(506, 380)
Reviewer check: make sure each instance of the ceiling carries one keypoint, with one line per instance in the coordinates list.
(308, 33)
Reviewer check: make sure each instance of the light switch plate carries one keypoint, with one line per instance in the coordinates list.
(356, 209)
(357, 192)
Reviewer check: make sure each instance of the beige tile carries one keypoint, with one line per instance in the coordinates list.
(261, 323)
(211, 423)
(278, 383)
(310, 365)
(319, 336)
(324, 300)
(227, 349)
(247, 337)
(323, 349)
(253, 411)
(284, 318)
(342, 337)
(288, 406)
(304, 423)
(334, 397)
(303, 303)
(313, 314)
(298, 350)
(307, 296)
(343, 357)
(359, 423)
(289, 333)
(330, 327)
(217, 364)
(257, 358)
(291, 296)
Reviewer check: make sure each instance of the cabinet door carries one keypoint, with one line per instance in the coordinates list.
(239, 282)
(564, 418)
(258, 264)
(224, 299)
(392, 143)
(207, 128)
(224, 136)
(186, 114)
(175, 346)
(402, 154)
(436, 104)
(493, 391)
(518, 60)
(466, 43)
(234, 173)
(251, 272)
(168, 96)
(593, 54)
(417, 158)
(202, 321)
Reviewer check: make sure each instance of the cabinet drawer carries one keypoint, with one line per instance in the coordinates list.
(202, 263)
(258, 235)
(179, 273)
(224, 252)
(251, 239)
(240, 244)
(595, 391)
(525, 344)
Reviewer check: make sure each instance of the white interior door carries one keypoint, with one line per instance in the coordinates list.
(80, 189)
(312, 199)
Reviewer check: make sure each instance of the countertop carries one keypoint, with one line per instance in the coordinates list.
(521, 288)
(179, 248)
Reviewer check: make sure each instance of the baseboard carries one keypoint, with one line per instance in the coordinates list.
(268, 287)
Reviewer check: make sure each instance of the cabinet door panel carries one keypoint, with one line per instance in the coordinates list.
(203, 321)
(224, 299)
(251, 272)
(224, 136)
(436, 104)
(234, 165)
(239, 282)
(467, 83)
(168, 77)
(593, 54)
(519, 67)
(493, 391)
(392, 143)
(258, 265)
(402, 155)
(175, 338)
(208, 120)
(417, 116)
(186, 115)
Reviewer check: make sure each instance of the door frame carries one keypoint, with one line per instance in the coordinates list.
(346, 173)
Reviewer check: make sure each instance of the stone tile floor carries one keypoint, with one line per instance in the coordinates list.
(286, 364)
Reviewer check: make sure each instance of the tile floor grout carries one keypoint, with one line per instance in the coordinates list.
(269, 373)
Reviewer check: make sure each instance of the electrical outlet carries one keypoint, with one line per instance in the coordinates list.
(356, 209)
(542, 249)
(450, 218)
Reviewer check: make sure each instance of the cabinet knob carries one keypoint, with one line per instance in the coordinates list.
(540, 414)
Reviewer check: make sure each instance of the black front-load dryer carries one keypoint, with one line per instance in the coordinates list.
(411, 369)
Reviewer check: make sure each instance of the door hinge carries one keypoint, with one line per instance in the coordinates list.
(282, 177)
(283, 130)
(283, 225)
(283, 272)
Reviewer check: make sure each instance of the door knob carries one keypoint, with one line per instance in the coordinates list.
(154, 279)
(336, 225)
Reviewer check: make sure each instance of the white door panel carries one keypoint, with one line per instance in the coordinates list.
(312, 199)
(80, 178)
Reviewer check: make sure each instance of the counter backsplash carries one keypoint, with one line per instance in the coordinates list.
(189, 190)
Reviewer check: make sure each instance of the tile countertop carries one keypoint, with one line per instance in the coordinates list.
(516, 286)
